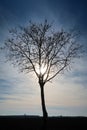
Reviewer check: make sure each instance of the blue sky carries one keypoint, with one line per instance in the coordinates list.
(19, 93)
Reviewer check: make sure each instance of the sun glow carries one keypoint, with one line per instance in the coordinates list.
(42, 69)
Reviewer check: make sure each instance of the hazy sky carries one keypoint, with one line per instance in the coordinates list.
(19, 92)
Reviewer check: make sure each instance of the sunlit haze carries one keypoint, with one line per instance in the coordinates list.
(41, 69)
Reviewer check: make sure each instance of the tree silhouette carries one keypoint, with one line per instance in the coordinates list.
(37, 48)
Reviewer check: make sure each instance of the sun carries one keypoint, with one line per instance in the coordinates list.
(42, 69)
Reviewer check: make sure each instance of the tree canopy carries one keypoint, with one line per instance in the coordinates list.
(37, 48)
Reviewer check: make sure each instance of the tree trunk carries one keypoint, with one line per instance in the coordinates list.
(45, 115)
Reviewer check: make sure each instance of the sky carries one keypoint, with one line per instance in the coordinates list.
(66, 95)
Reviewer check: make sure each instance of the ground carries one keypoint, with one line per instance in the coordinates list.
(36, 123)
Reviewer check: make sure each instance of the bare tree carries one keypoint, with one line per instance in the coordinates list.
(37, 48)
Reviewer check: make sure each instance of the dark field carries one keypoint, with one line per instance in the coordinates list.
(36, 123)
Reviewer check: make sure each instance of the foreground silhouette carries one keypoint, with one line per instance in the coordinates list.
(36, 48)
(36, 123)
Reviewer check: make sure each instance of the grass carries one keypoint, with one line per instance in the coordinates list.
(36, 123)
